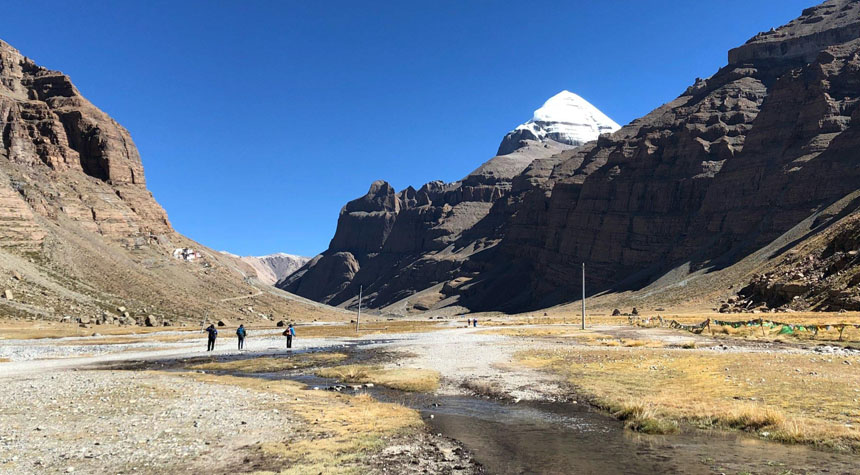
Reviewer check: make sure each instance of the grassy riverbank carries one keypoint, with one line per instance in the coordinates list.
(797, 398)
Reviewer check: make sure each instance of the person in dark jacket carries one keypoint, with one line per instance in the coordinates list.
(240, 333)
(213, 334)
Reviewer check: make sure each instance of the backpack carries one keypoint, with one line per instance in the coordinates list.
(286, 332)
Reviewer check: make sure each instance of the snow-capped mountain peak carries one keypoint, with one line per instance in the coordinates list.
(565, 118)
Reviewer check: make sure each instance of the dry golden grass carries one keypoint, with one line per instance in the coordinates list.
(633, 343)
(270, 364)
(4, 360)
(586, 337)
(40, 329)
(803, 398)
(643, 417)
(336, 431)
(404, 379)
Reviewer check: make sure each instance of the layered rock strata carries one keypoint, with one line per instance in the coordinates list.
(698, 184)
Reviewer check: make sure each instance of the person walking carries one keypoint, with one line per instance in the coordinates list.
(213, 334)
(290, 332)
(240, 334)
(474, 322)
(468, 322)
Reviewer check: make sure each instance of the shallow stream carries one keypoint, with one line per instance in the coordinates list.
(555, 438)
(551, 438)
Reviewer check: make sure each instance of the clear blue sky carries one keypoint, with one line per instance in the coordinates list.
(258, 120)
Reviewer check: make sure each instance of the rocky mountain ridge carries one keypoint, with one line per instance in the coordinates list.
(81, 237)
(685, 197)
(395, 243)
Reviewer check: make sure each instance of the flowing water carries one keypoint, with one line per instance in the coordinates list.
(555, 438)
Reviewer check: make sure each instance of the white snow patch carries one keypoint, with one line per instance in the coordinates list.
(568, 118)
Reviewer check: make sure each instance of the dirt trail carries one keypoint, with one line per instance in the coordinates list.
(241, 297)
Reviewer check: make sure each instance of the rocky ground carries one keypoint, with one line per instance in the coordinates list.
(77, 414)
(127, 422)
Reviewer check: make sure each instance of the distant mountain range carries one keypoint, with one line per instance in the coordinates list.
(274, 267)
(705, 195)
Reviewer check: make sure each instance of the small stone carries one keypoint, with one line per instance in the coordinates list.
(8, 294)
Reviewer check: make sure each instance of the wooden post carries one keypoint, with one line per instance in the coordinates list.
(358, 318)
(583, 295)
(761, 323)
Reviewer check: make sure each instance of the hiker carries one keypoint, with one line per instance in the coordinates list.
(290, 332)
(475, 322)
(468, 322)
(240, 333)
(213, 334)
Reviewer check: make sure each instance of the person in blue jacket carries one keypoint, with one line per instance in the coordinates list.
(290, 332)
(240, 334)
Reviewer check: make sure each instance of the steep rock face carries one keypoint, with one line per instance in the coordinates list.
(394, 244)
(64, 155)
(81, 237)
(727, 167)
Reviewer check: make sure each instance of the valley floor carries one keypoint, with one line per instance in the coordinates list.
(158, 403)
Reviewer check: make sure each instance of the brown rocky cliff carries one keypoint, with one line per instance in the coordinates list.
(734, 162)
(395, 244)
(83, 240)
(64, 155)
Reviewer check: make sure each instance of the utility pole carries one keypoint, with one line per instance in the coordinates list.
(358, 319)
(583, 295)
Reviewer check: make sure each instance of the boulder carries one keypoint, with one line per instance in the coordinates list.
(150, 321)
(281, 323)
(223, 323)
(616, 312)
(8, 295)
